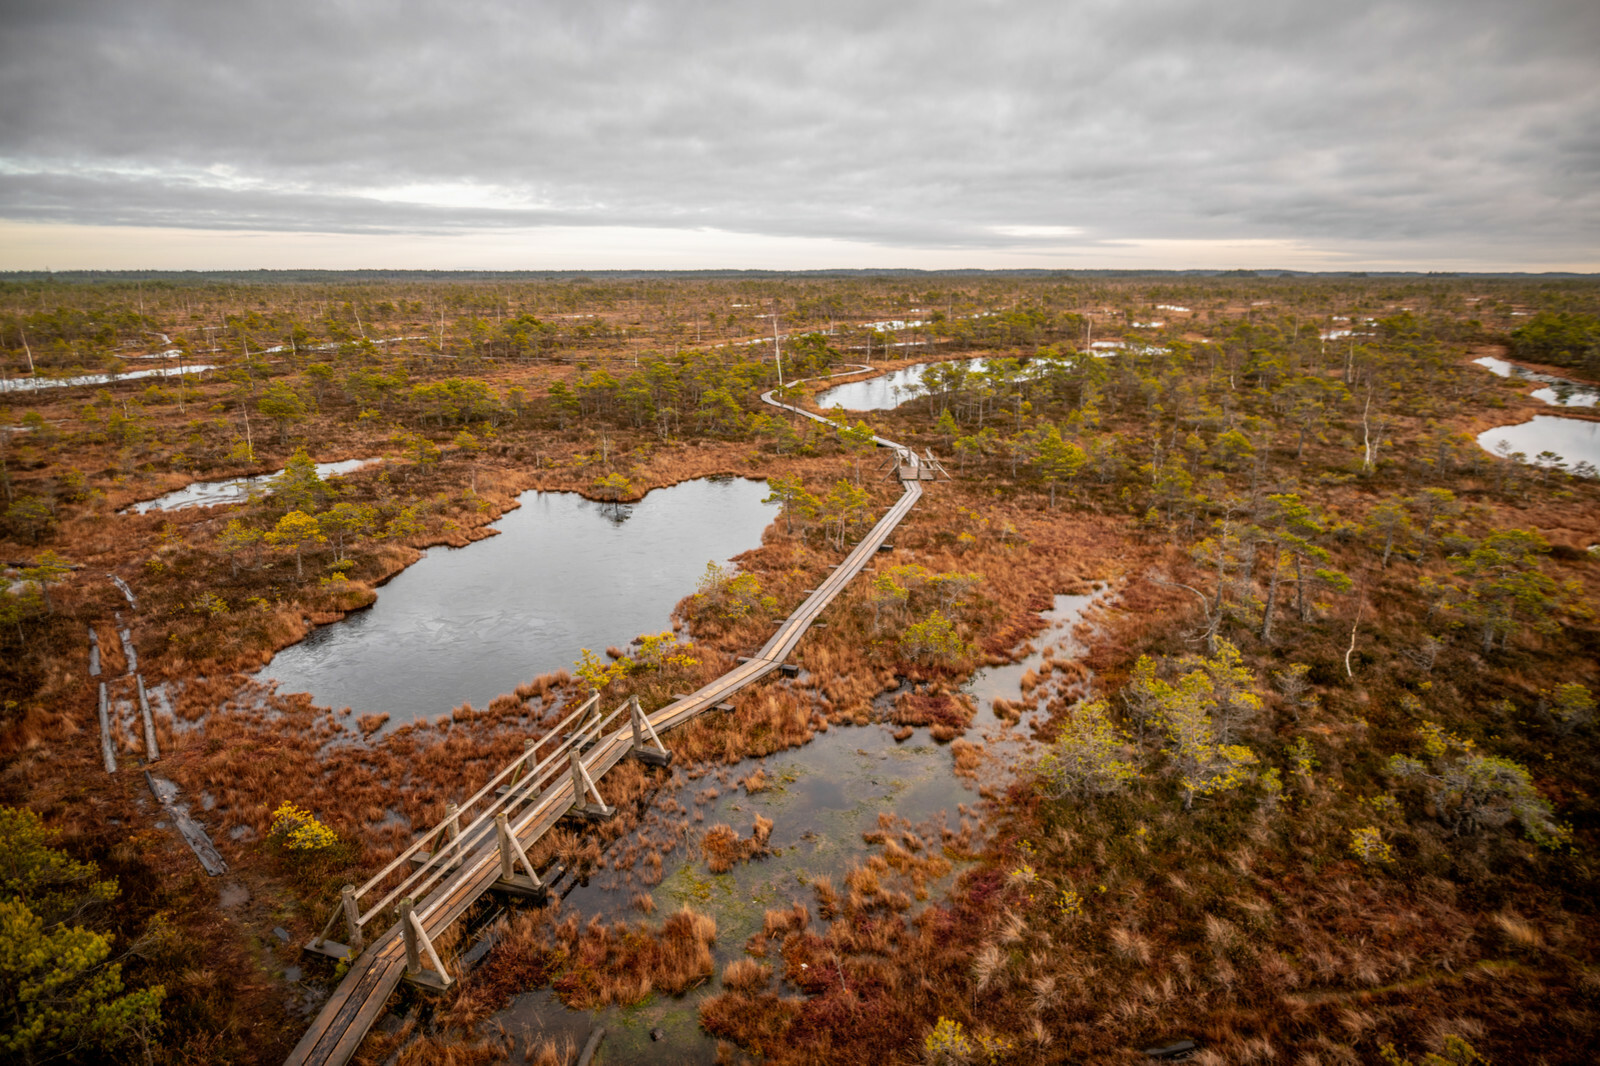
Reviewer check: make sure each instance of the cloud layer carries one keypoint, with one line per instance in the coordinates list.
(1457, 131)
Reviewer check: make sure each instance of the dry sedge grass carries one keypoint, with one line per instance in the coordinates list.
(1247, 928)
(722, 846)
(746, 975)
(589, 965)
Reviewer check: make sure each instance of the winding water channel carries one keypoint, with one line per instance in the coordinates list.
(232, 490)
(564, 573)
(36, 384)
(884, 392)
(1558, 392)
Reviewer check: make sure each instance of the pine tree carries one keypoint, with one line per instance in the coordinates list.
(296, 530)
(1087, 757)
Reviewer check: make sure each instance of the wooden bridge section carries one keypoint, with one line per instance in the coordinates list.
(481, 846)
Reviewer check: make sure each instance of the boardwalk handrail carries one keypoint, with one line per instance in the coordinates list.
(480, 859)
(441, 859)
(495, 780)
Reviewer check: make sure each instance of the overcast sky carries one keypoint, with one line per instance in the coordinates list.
(1414, 134)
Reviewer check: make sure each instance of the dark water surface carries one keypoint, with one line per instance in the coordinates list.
(565, 573)
(821, 798)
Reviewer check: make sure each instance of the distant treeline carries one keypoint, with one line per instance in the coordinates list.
(308, 276)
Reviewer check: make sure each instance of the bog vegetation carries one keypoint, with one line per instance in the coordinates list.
(1322, 790)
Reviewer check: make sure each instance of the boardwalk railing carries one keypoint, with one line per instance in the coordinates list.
(439, 851)
(482, 844)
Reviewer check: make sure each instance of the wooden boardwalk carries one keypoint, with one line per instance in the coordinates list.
(524, 801)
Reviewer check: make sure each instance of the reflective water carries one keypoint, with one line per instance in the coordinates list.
(233, 490)
(1573, 440)
(565, 573)
(821, 798)
(884, 392)
(1009, 738)
(1559, 392)
(894, 324)
(35, 384)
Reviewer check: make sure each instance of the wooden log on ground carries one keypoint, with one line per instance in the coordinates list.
(127, 646)
(151, 752)
(193, 834)
(107, 749)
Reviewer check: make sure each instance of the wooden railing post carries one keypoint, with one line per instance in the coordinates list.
(528, 744)
(351, 913)
(352, 916)
(657, 755)
(417, 945)
(502, 832)
(413, 957)
(452, 820)
(583, 788)
(511, 855)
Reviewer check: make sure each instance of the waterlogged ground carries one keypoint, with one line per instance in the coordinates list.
(821, 799)
(565, 573)
(1007, 737)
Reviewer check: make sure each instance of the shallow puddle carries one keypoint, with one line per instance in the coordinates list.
(820, 798)
(1008, 738)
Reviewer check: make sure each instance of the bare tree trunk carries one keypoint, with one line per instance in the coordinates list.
(1272, 598)
(1300, 589)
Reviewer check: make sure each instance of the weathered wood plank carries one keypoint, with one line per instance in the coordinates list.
(192, 832)
(108, 749)
(151, 752)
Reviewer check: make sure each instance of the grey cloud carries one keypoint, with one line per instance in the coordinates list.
(1447, 123)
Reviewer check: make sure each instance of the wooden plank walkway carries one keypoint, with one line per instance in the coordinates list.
(359, 999)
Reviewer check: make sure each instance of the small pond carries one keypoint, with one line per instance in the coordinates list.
(565, 573)
(1558, 392)
(1574, 440)
(233, 490)
(888, 391)
(884, 392)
